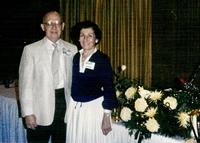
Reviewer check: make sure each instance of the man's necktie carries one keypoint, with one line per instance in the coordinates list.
(55, 64)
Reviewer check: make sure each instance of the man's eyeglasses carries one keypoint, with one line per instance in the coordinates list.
(52, 24)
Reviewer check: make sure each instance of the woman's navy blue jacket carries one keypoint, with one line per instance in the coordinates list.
(94, 83)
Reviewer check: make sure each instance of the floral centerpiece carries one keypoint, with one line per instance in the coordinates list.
(146, 111)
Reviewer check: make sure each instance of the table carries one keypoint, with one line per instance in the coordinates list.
(11, 126)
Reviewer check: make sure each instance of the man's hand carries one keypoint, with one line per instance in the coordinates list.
(30, 121)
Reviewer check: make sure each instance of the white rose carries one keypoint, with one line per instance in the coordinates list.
(123, 67)
(183, 119)
(152, 125)
(130, 92)
(118, 93)
(143, 93)
(140, 105)
(170, 102)
(125, 114)
(155, 95)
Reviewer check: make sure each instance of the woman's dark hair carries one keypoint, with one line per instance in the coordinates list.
(75, 31)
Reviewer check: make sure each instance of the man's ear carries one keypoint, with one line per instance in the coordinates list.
(63, 26)
(42, 27)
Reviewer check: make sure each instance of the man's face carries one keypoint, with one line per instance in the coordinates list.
(53, 26)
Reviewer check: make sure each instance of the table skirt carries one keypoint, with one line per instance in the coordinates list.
(11, 126)
(121, 135)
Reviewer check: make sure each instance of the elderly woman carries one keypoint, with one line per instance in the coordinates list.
(93, 94)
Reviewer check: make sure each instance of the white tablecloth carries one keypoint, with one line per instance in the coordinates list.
(121, 135)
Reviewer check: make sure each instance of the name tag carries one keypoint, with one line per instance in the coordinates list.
(90, 65)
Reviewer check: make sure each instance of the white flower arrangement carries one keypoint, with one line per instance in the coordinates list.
(146, 111)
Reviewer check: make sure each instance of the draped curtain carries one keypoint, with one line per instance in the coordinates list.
(126, 27)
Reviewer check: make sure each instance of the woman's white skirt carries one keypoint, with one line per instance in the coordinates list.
(84, 122)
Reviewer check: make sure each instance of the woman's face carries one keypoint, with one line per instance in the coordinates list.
(87, 38)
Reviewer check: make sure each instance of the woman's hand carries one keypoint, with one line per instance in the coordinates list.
(31, 122)
(106, 123)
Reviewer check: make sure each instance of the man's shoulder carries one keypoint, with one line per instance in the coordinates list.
(35, 44)
(69, 46)
(34, 47)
